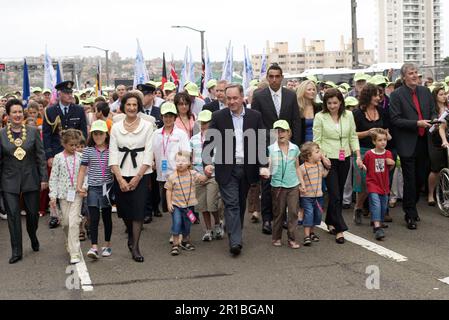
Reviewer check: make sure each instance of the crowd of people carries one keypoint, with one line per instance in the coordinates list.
(158, 150)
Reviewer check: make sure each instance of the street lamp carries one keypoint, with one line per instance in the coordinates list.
(107, 61)
(203, 63)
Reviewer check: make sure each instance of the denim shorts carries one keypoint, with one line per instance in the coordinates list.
(180, 222)
(312, 211)
(378, 206)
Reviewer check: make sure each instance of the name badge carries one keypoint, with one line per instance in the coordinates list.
(164, 165)
(342, 155)
(191, 216)
(71, 194)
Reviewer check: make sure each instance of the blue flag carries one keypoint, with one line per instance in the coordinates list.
(26, 84)
(59, 75)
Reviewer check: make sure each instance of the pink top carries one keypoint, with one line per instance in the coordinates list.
(186, 127)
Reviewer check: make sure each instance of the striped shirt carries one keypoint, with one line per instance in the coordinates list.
(91, 159)
(313, 179)
(183, 189)
(196, 143)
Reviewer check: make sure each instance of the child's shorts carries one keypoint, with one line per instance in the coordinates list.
(312, 211)
(207, 196)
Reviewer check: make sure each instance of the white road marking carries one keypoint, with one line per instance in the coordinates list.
(83, 274)
(371, 246)
(445, 280)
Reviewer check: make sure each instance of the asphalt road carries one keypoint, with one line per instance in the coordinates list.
(324, 271)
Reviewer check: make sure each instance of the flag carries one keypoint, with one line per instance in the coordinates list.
(140, 69)
(164, 71)
(263, 67)
(26, 84)
(59, 73)
(98, 81)
(173, 75)
(228, 65)
(207, 73)
(49, 76)
(247, 69)
(185, 71)
(191, 68)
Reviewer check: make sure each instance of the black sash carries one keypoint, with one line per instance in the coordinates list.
(133, 155)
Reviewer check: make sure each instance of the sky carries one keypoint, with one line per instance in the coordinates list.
(65, 27)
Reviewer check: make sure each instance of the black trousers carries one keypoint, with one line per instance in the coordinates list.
(335, 183)
(415, 170)
(94, 215)
(163, 195)
(266, 201)
(12, 206)
(152, 205)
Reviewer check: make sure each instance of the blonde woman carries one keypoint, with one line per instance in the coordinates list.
(306, 95)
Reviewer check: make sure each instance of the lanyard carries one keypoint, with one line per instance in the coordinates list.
(341, 133)
(102, 164)
(187, 129)
(310, 181)
(283, 167)
(71, 173)
(166, 142)
(182, 189)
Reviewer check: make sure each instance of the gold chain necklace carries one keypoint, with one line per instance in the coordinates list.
(19, 153)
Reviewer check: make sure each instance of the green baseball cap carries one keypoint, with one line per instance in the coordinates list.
(351, 102)
(205, 116)
(281, 124)
(361, 77)
(192, 89)
(90, 100)
(346, 86)
(170, 86)
(378, 80)
(446, 79)
(342, 90)
(330, 84)
(36, 89)
(312, 78)
(99, 125)
(211, 83)
(253, 82)
(168, 107)
(46, 91)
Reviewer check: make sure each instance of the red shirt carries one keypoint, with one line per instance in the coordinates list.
(378, 173)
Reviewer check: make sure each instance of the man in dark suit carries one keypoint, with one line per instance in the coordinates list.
(276, 103)
(61, 116)
(152, 206)
(411, 108)
(235, 168)
(220, 101)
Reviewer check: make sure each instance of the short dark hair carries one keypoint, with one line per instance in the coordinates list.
(130, 95)
(91, 142)
(114, 96)
(274, 66)
(331, 93)
(103, 107)
(183, 97)
(12, 102)
(368, 92)
(161, 91)
(100, 98)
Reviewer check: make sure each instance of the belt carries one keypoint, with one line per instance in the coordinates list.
(133, 153)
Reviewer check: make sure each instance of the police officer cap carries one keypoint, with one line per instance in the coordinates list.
(146, 88)
(66, 86)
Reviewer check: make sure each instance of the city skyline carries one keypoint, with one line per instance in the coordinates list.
(118, 32)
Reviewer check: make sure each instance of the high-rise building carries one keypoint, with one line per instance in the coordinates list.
(409, 31)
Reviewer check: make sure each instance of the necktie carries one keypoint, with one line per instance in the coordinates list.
(147, 112)
(277, 104)
(421, 131)
(66, 110)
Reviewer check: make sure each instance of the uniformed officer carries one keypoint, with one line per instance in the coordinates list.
(61, 116)
(152, 206)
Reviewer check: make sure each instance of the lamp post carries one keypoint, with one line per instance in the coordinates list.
(203, 63)
(107, 61)
(355, 49)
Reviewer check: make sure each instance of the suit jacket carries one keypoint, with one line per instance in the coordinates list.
(76, 119)
(404, 117)
(263, 102)
(212, 106)
(26, 175)
(222, 121)
(156, 113)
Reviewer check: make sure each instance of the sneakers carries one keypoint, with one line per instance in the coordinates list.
(207, 236)
(93, 254)
(75, 259)
(114, 209)
(218, 232)
(358, 216)
(106, 252)
(3, 216)
(255, 217)
(380, 234)
(23, 213)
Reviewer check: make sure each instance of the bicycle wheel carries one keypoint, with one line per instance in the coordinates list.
(442, 192)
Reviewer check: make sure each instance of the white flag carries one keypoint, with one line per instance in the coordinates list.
(228, 65)
(207, 73)
(263, 68)
(185, 71)
(49, 72)
(191, 68)
(140, 69)
(247, 69)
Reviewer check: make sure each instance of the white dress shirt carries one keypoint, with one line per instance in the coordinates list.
(141, 137)
(237, 120)
(279, 97)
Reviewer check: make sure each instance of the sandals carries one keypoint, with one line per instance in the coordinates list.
(175, 251)
(187, 246)
(277, 243)
(293, 244)
(307, 241)
(82, 236)
(314, 237)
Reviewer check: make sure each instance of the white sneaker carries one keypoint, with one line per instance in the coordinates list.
(93, 254)
(75, 259)
(218, 232)
(114, 209)
(207, 236)
(106, 252)
(23, 213)
(3, 216)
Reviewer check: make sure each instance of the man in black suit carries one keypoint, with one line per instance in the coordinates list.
(411, 108)
(276, 103)
(220, 101)
(235, 168)
(61, 116)
(152, 206)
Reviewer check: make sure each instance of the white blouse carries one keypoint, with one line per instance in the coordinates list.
(140, 138)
